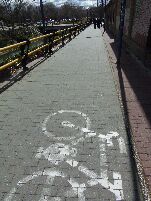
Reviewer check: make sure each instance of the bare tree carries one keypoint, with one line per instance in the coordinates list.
(19, 8)
(12, 11)
(6, 14)
(50, 10)
(71, 10)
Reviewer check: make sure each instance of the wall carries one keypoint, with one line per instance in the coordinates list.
(136, 27)
(141, 22)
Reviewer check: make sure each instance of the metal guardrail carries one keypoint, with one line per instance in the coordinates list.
(27, 49)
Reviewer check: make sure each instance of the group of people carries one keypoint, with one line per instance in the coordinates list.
(98, 22)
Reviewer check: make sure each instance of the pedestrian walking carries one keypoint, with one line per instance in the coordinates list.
(104, 26)
(98, 23)
(94, 22)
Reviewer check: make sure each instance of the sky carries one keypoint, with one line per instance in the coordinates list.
(85, 3)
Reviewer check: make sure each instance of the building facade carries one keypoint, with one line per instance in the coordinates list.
(137, 26)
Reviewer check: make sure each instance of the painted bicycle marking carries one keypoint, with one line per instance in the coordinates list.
(60, 152)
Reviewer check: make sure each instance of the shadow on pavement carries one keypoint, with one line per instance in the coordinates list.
(20, 74)
(135, 83)
(136, 78)
(17, 77)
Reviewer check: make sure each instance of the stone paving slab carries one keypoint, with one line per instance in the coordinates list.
(62, 134)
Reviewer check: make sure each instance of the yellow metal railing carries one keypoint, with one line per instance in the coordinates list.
(51, 39)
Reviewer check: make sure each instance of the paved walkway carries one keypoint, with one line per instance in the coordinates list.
(62, 134)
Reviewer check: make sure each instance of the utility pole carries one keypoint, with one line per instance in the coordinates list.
(121, 27)
(42, 16)
(102, 15)
(97, 3)
(105, 2)
(105, 12)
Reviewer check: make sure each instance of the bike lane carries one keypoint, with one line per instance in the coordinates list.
(62, 130)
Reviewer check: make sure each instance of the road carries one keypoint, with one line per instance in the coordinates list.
(62, 134)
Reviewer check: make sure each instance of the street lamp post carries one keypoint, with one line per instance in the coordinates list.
(97, 3)
(105, 14)
(42, 16)
(105, 2)
(87, 14)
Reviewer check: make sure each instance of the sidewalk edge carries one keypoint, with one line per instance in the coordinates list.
(135, 157)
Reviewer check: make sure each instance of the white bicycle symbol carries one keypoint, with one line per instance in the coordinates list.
(61, 152)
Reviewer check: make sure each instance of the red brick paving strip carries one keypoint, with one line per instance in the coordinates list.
(137, 85)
